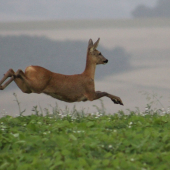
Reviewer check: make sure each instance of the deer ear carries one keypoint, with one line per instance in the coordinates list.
(90, 44)
(95, 45)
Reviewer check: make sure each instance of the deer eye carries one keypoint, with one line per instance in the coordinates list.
(100, 53)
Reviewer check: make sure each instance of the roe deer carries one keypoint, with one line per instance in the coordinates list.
(68, 88)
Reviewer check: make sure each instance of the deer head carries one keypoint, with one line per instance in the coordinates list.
(94, 55)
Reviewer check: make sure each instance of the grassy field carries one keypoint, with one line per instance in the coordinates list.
(77, 140)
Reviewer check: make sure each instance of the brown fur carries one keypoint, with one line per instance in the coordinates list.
(68, 88)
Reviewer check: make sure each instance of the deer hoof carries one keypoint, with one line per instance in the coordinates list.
(117, 101)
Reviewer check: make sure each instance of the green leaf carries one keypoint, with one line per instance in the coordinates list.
(105, 162)
(90, 124)
(72, 137)
(65, 152)
(108, 155)
(82, 162)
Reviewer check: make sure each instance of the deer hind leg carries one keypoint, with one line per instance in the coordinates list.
(21, 81)
(17, 77)
(9, 73)
(115, 99)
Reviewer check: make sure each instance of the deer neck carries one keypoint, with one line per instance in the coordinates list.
(90, 68)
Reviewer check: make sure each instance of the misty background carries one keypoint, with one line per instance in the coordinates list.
(134, 38)
(55, 9)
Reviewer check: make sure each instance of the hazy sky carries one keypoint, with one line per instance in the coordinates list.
(12, 10)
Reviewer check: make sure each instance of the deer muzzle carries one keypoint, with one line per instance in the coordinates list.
(106, 61)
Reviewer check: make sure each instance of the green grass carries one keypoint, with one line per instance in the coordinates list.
(65, 140)
(72, 140)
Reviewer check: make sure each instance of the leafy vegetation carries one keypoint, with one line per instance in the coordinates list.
(73, 139)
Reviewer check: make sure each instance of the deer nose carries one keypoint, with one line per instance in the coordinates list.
(106, 61)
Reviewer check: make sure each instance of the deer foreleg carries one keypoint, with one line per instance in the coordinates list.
(115, 99)
(9, 73)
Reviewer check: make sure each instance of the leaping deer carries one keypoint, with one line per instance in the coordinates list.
(68, 88)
